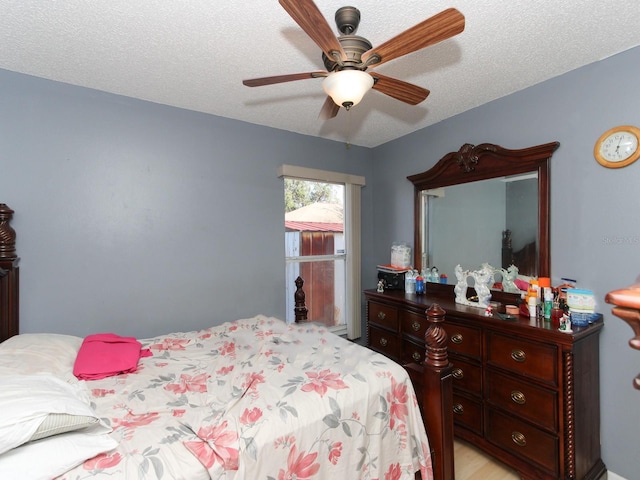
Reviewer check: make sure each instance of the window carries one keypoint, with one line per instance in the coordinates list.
(322, 245)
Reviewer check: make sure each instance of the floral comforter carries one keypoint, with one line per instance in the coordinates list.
(262, 400)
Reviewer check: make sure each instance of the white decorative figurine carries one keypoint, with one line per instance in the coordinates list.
(508, 279)
(492, 273)
(483, 279)
(461, 286)
(565, 324)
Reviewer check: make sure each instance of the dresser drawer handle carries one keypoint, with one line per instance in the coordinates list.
(519, 356)
(416, 356)
(518, 438)
(458, 409)
(384, 342)
(457, 373)
(381, 315)
(518, 397)
(416, 326)
(457, 338)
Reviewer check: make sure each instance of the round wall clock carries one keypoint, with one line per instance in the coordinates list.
(618, 147)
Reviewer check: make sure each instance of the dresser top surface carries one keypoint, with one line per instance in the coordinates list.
(536, 326)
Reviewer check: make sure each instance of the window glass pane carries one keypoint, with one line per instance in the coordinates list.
(314, 218)
(315, 230)
(324, 287)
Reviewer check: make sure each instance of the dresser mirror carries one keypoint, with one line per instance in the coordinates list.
(484, 204)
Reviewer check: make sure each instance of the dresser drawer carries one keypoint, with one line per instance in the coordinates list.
(523, 440)
(537, 360)
(466, 375)
(412, 352)
(413, 324)
(537, 404)
(383, 315)
(467, 413)
(384, 342)
(464, 340)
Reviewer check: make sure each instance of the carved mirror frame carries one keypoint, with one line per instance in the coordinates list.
(482, 162)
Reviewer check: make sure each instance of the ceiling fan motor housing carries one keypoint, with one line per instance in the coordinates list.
(347, 20)
(354, 46)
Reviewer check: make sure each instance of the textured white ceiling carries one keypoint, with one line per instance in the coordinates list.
(194, 54)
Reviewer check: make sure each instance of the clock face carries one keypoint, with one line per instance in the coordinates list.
(618, 147)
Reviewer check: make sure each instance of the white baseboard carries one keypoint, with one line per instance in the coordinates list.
(613, 476)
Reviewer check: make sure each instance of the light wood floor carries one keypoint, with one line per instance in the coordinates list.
(472, 464)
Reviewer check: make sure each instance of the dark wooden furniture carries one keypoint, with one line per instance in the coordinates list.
(523, 391)
(627, 307)
(9, 276)
(433, 383)
(480, 162)
(300, 309)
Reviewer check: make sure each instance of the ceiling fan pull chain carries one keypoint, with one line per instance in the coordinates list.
(348, 129)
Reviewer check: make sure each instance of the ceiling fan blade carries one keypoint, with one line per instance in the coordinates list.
(329, 109)
(307, 15)
(258, 82)
(433, 30)
(403, 91)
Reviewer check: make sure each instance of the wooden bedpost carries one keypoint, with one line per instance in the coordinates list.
(300, 309)
(626, 303)
(9, 276)
(434, 387)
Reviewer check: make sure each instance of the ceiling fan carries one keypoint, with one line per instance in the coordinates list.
(348, 56)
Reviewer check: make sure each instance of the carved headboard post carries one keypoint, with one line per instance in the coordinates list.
(9, 276)
(626, 303)
(7, 233)
(300, 309)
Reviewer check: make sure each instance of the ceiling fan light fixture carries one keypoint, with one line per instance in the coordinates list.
(347, 87)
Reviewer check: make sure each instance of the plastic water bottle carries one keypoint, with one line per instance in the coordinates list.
(409, 282)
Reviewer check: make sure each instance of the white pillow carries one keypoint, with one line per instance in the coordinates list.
(48, 458)
(56, 423)
(39, 352)
(26, 401)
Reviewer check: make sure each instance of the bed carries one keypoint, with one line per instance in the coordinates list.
(255, 398)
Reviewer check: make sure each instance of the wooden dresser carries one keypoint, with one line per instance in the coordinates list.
(524, 392)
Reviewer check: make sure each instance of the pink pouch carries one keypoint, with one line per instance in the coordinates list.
(106, 354)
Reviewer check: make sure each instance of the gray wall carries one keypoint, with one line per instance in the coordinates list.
(141, 219)
(595, 226)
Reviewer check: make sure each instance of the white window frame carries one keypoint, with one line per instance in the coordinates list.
(352, 222)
